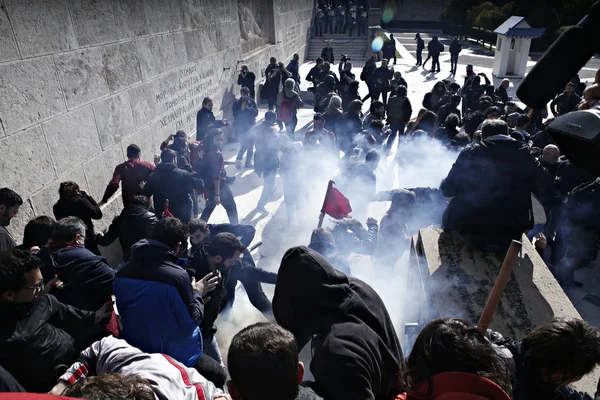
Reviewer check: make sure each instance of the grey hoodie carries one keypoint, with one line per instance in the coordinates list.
(168, 378)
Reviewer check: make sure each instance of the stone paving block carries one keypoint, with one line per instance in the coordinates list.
(131, 18)
(8, 46)
(25, 163)
(29, 92)
(156, 55)
(159, 15)
(73, 138)
(41, 26)
(114, 119)
(93, 21)
(143, 138)
(82, 76)
(121, 65)
(99, 170)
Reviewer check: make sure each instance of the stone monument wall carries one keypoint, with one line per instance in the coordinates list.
(80, 80)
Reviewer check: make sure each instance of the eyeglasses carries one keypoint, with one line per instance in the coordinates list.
(37, 288)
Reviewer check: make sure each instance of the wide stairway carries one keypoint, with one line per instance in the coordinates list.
(354, 46)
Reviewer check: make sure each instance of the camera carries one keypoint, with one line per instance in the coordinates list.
(345, 57)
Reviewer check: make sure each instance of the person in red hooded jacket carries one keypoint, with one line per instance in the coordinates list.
(452, 360)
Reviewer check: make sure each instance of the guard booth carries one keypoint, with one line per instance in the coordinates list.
(512, 47)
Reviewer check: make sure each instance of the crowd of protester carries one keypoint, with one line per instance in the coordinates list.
(72, 325)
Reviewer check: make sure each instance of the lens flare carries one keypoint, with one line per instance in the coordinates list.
(387, 15)
(377, 44)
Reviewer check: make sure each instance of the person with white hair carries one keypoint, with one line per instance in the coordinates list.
(288, 103)
(334, 118)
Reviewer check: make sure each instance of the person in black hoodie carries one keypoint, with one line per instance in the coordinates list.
(87, 278)
(37, 332)
(222, 257)
(173, 184)
(77, 203)
(133, 224)
(355, 350)
(491, 184)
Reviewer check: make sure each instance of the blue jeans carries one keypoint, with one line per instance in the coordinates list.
(211, 349)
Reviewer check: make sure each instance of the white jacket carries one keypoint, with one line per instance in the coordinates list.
(168, 378)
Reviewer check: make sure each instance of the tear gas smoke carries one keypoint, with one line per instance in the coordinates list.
(421, 162)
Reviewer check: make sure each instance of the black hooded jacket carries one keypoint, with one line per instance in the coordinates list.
(133, 224)
(491, 184)
(356, 353)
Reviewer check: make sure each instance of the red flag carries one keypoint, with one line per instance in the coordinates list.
(336, 205)
(166, 212)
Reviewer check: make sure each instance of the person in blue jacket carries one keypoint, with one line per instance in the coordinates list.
(86, 278)
(161, 307)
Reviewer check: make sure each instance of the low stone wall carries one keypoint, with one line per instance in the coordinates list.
(80, 80)
(455, 280)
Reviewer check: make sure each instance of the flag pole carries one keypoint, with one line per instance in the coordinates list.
(322, 215)
(499, 286)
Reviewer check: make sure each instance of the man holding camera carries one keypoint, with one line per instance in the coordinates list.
(346, 75)
(246, 79)
(271, 86)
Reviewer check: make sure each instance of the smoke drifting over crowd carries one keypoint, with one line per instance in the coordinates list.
(418, 163)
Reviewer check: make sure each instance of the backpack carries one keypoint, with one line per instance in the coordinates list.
(285, 112)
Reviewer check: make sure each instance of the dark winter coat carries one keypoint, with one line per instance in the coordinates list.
(355, 350)
(248, 81)
(347, 97)
(176, 185)
(36, 337)
(435, 48)
(160, 311)
(502, 94)
(244, 120)
(334, 122)
(491, 184)
(455, 48)
(383, 76)
(205, 121)
(352, 125)
(399, 109)
(420, 44)
(327, 55)
(85, 208)
(446, 110)
(271, 85)
(241, 271)
(87, 278)
(565, 103)
(133, 224)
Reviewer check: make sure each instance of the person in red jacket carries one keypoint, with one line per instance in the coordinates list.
(132, 172)
(452, 360)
